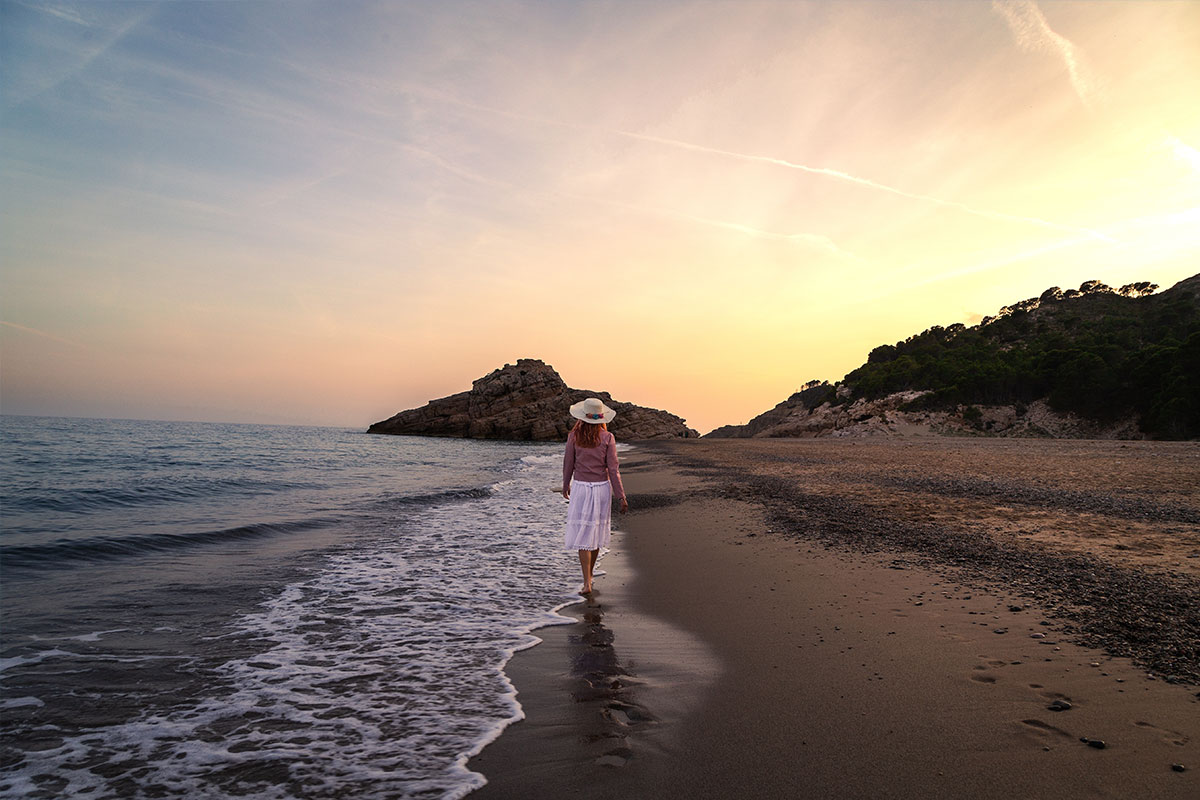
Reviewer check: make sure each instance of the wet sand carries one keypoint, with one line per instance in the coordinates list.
(877, 619)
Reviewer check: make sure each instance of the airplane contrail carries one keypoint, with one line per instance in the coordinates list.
(845, 176)
(36, 332)
(832, 173)
(814, 240)
(111, 37)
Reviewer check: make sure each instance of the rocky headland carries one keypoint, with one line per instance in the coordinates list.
(526, 401)
(1094, 363)
(894, 415)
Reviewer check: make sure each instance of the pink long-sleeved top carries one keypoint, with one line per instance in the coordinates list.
(593, 463)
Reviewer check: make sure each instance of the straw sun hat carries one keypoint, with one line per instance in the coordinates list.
(592, 411)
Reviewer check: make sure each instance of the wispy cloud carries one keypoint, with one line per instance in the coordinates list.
(62, 13)
(1033, 33)
(448, 98)
(106, 38)
(1183, 151)
(1005, 260)
(845, 176)
(811, 240)
(43, 334)
(1165, 225)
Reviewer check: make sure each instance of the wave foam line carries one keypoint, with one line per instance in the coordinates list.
(66, 552)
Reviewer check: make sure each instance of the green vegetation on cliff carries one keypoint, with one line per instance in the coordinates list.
(1097, 352)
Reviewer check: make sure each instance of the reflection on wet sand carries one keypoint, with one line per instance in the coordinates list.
(599, 680)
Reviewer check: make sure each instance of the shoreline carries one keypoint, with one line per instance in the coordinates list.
(839, 672)
(597, 693)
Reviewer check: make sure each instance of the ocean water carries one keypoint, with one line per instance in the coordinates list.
(207, 610)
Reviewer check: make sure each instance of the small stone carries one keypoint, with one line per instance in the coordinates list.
(1059, 705)
(1096, 743)
(617, 716)
(1037, 636)
(1001, 630)
(1015, 609)
(1179, 767)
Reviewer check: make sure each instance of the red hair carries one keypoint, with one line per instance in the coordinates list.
(588, 434)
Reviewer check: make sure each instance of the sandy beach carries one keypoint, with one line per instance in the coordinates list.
(878, 618)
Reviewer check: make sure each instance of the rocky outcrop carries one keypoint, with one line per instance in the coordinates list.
(895, 415)
(795, 407)
(526, 401)
(1114, 364)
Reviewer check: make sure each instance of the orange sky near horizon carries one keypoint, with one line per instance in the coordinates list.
(226, 212)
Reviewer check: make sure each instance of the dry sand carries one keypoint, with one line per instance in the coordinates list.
(877, 619)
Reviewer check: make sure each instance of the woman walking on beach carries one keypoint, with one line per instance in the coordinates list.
(590, 480)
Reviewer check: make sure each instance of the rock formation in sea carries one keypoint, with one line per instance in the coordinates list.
(526, 401)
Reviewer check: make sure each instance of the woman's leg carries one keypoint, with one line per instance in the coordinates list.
(592, 556)
(585, 563)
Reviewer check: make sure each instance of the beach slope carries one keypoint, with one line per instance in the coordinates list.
(941, 618)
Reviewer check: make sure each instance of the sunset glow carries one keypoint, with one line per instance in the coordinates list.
(325, 213)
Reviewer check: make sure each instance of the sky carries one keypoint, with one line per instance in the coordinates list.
(325, 213)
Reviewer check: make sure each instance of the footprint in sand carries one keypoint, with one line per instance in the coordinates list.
(1044, 728)
(1168, 736)
(986, 667)
(983, 674)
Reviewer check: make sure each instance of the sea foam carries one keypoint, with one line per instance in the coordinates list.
(377, 672)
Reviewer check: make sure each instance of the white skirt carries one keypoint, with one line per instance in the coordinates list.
(589, 515)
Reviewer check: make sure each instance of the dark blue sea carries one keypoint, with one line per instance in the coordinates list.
(210, 610)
